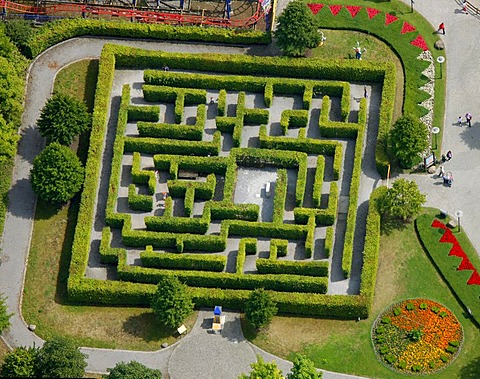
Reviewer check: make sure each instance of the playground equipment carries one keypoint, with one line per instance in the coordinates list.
(165, 12)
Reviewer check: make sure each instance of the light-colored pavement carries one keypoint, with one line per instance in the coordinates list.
(462, 96)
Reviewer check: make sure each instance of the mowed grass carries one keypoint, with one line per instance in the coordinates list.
(404, 272)
(45, 302)
(340, 45)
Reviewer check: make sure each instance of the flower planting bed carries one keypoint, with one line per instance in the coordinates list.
(417, 336)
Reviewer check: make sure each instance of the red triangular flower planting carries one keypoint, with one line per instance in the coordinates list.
(457, 251)
(315, 8)
(389, 18)
(372, 12)
(335, 9)
(353, 9)
(448, 237)
(465, 265)
(438, 224)
(407, 28)
(474, 279)
(420, 42)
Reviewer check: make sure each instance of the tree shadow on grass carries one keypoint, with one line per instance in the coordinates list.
(471, 370)
(147, 327)
(391, 224)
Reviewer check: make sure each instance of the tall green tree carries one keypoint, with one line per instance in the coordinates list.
(297, 29)
(260, 308)
(403, 200)
(57, 174)
(263, 370)
(19, 363)
(303, 368)
(4, 315)
(63, 118)
(132, 370)
(171, 302)
(408, 139)
(60, 358)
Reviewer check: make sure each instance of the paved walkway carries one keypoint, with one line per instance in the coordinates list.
(462, 96)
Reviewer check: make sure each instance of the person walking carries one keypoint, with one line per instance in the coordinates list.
(468, 117)
(441, 28)
(459, 120)
(365, 93)
(464, 6)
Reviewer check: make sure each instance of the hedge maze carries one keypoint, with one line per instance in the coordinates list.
(204, 156)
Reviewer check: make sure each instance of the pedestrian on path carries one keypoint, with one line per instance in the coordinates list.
(468, 117)
(459, 120)
(365, 93)
(464, 6)
(441, 28)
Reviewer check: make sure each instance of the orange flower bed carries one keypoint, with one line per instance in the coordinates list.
(417, 336)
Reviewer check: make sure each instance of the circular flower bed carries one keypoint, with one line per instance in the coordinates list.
(417, 336)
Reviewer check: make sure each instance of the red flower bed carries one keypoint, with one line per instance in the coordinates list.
(389, 18)
(372, 12)
(315, 8)
(335, 9)
(457, 251)
(353, 9)
(420, 42)
(407, 28)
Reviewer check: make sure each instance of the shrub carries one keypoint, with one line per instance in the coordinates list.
(63, 118)
(423, 306)
(260, 308)
(397, 311)
(172, 303)
(132, 370)
(386, 320)
(57, 174)
(410, 306)
(408, 138)
(403, 200)
(19, 363)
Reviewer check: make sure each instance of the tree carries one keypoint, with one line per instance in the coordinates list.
(408, 139)
(403, 200)
(132, 370)
(62, 118)
(260, 308)
(4, 315)
(263, 370)
(57, 174)
(303, 368)
(297, 29)
(60, 358)
(19, 363)
(171, 302)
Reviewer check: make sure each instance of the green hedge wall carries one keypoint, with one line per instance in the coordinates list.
(140, 176)
(138, 202)
(143, 113)
(313, 268)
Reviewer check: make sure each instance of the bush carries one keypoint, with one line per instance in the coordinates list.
(172, 302)
(260, 308)
(403, 200)
(408, 138)
(132, 370)
(63, 118)
(19, 363)
(57, 174)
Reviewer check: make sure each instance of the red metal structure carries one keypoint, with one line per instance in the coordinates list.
(86, 10)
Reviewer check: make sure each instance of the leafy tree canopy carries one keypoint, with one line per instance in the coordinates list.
(171, 302)
(57, 174)
(303, 368)
(19, 363)
(63, 117)
(263, 370)
(60, 358)
(260, 308)
(297, 29)
(408, 139)
(403, 200)
(132, 370)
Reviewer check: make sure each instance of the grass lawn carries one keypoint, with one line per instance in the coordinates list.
(340, 43)
(45, 302)
(404, 271)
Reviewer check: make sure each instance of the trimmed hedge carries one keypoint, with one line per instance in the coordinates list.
(140, 176)
(143, 113)
(201, 262)
(293, 118)
(139, 202)
(160, 130)
(314, 268)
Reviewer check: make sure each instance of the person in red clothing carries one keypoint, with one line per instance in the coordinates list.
(441, 28)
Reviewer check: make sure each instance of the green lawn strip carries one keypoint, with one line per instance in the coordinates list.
(447, 265)
(400, 43)
(404, 272)
(46, 305)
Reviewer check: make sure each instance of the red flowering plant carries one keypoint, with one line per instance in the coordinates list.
(417, 336)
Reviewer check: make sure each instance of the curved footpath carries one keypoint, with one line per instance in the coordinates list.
(199, 354)
(200, 350)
